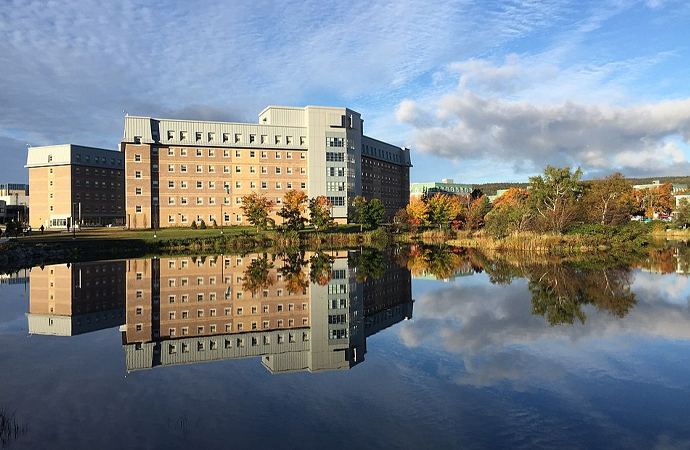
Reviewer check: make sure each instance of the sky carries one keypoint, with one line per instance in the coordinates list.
(480, 90)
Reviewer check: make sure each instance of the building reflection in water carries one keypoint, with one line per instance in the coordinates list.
(194, 309)
(71, 299)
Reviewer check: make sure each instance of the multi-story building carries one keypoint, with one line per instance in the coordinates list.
(73, 184)
(71, 299)
(447, 186)
(179, 171)
(186, 310)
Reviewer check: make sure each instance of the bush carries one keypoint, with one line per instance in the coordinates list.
(202, 224)
(194, 225)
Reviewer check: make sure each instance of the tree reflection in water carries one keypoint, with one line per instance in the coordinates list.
(321, 268)
(258, 274)
(292, 271)
(560, 291)
(10, 429)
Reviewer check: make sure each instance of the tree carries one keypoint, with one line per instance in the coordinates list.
(202, 225)
(256, 208)
(475, 213)
(683, 218)
(655, 200)
(553, 197)
(367, 213)
(417, 211)
(511, 198)
(293, 209)
(320, 213)
(608, 201)
(442, 209)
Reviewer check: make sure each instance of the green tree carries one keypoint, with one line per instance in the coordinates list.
(553, 197)
(367, 213)
(321, 268)
(608, 201)
(442, 209)
(293, 209)
(258, 275)
(256, 208)
(683, 217)
(320, 213)
(368, 263)
(292, 271)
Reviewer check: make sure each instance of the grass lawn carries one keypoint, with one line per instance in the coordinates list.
(117, 233)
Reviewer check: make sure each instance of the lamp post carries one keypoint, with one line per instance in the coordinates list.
(74, 225)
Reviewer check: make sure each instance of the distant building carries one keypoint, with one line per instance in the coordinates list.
(656, 183)
(16, 202)
(179, 171)
(75, 184)
(446, 186)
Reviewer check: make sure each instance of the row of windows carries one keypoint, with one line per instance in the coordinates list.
(211, 153)
(377, 152)
(236, 138)
(335, 142)
(96, 159)
(278, 170)
(336, 201)
(87, 171)
(335, 156)
(228, 343)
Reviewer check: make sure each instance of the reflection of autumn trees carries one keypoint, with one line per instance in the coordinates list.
(293, 273)
(668, 260)
(440, 261)
(258, 275)
(560, 291)
(321, 268)
(369, 263)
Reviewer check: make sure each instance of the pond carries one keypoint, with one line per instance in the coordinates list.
(418, 348)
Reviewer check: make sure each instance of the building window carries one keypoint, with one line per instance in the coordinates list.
(137, 174)
(183, 135)
(137, 158)
(137, 208)
(198, 135)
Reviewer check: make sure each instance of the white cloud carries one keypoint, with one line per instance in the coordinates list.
(635, 139)
(489, 324)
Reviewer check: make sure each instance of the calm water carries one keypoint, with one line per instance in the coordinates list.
(228, 351)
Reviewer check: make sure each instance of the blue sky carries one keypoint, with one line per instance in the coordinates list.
(479, 90)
